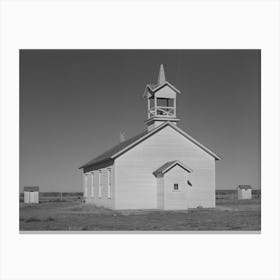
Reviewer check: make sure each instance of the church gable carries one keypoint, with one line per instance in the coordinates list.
(168, 140)
(122, 148)
(173, 131)
(166, 92)
(136, 183)
(153, 89)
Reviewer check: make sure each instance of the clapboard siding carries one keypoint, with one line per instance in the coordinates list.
(31, 197)
(176, 199)
(160, 193)
(136, 186)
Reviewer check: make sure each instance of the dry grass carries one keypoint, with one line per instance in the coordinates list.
(229, 214)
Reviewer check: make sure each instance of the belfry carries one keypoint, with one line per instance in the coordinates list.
(161, 101)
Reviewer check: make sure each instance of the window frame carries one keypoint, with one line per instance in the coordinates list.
(109, 183)
(92, 183)
(99, 184)
(176, 189)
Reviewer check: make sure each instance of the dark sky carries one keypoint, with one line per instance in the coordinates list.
(74, 103)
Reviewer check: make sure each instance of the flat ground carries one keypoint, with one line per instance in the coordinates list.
(71, 214)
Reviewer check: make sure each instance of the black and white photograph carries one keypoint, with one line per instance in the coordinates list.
(140, 140)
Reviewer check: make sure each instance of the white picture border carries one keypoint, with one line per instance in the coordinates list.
(140, 25)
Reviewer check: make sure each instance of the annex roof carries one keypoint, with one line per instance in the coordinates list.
(169, 165)
(121, 148)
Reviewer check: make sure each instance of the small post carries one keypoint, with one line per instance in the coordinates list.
(60, 196)
(122, 136)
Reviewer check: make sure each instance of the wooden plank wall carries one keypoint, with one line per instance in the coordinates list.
(244, 194)
(136, 186)
(176, 199)
(160, 193)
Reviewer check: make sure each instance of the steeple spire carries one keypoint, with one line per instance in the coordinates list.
(161, 75)
(161, 99)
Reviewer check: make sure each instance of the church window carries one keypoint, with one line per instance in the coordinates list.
(85, 185)
(99, 184)
(109, 182)
(92, 184)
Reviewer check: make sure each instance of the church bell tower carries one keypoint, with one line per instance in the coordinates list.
(161, 101)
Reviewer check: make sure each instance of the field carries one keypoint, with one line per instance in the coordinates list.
(68, 213)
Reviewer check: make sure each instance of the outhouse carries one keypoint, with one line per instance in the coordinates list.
(31, 194)
(244, 192)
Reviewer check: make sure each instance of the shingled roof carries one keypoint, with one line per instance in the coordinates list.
(108, 154)
(168, 165)
(128, 144)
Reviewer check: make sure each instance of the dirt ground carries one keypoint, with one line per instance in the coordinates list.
(229, 215)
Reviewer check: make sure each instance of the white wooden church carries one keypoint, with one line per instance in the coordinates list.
(161, 168)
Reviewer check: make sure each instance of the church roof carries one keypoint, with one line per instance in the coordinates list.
(130, 143)
(109, 153)
(168, 165)
(155, 87)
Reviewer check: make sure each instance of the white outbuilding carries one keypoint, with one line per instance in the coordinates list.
(244, 192)
(31, 194)
(162, 167)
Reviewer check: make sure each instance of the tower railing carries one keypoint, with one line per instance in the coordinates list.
(162, 111)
